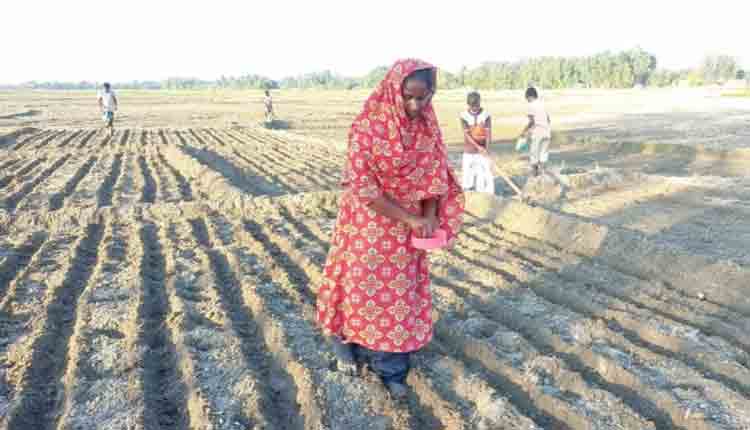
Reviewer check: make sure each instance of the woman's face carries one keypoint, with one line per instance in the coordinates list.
(416, 95)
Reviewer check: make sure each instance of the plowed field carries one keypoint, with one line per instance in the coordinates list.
(166, 279)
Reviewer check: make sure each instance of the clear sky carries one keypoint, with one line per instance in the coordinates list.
(76, 40)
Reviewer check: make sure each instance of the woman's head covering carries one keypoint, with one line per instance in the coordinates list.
(388, 94)
(407, 159)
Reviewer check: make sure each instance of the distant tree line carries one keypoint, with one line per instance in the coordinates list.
(86, 85)
(603, 70)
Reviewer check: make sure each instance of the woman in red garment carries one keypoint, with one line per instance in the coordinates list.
(375, 301)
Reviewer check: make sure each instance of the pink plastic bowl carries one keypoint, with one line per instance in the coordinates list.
(438, 240)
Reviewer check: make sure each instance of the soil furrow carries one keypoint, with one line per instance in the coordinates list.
(8, 179)
(35, 138)
(85, 194)
(214, 137)
(186, 190)
(106, 190)
(74, 139)
(4, 181)
(165, 394)
(651, 296)
(167, 279)
(278, 247)
(41, 387)
(198, 138)
(308, 230)
(31, 138)
(714, 357)
(57, 200)
(269, 170)
(426, 388)
(7, 165)
(126, 191)
(38, 200)
(452, 386)
(265, 139)
(102, 380)
(307, 151)
(298, 346)
(319, 174)
(163, 138)
(287, 173)
(262, 171)
(63, 143)
(234, 175)
(180, 137)
(432, 397)
(149, 189)
(12, 201)
(259, 368)
(167, 189)
(98, 388)
(633, 253)
(327, 155)
(88, 138)
(44, 142)
(108, 140)
(15, 263)
(258, 165)
(303, 169)
(428, 395)
(537, 341)
(25, 296)
(24, 170)
(125, 137)
(220, 230)
(586, 344)
(542, 386)
(296, 243)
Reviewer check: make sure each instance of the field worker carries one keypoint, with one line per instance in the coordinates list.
(539, 131)
(268, 104)
(108, 105)
(476, 165)
(375, 301)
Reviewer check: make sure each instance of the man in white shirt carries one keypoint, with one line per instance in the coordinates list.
(539, 130)
(268, 104)
(108, 105)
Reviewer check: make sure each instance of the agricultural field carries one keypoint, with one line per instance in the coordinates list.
(165, 277)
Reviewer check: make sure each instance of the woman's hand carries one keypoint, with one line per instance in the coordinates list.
(431, 225)
(430, 211)
(424, 226)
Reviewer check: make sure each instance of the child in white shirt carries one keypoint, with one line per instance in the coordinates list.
(477, 165)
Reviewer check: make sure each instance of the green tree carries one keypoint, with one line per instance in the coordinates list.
(718, 68)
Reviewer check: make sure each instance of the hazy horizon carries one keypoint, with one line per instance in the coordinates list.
(85, 40)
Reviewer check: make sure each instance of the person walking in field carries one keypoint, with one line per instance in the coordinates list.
(374, 301)
(539, 131)
(268, 105)
(477, 164)
(108, 105)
